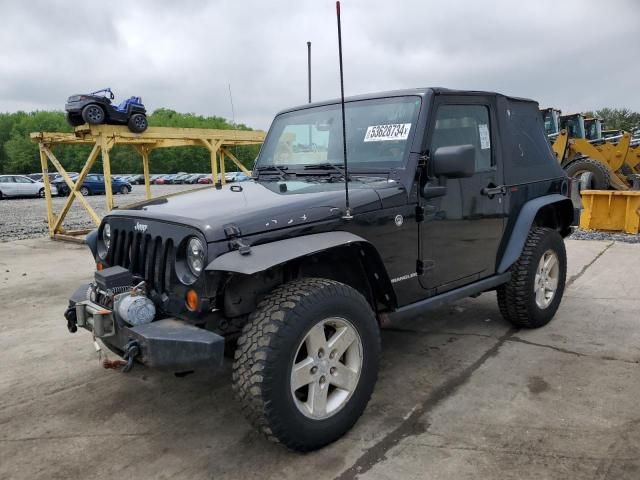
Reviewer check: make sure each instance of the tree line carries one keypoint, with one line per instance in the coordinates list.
(617, 119)
(18, 154)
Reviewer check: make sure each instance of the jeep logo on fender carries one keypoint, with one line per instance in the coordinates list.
(141, 227)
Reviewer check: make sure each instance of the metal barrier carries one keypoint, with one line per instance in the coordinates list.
(105, 137)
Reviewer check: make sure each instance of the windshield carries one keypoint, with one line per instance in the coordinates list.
(379, 134)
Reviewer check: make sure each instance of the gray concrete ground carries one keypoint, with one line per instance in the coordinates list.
(461, 395)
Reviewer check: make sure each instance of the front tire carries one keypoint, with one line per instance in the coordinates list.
(93, 114)
(532, 296)
(85, 191)
(41, 193)
(307, 362)
(124, 190)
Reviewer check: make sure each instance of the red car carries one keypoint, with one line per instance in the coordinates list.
(205, 180)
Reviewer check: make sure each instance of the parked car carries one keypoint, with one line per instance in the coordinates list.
(38, 176)
(179, 179)
(235, 177)
(22, 186)
(94, 184)
(206, 180)
(164, 180)
(193, 179)
(137, 179)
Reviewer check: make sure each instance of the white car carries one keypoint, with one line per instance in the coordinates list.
(21, 186)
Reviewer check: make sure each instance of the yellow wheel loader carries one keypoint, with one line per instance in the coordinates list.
(600, 163)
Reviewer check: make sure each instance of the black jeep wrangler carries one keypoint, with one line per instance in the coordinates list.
(452, 193)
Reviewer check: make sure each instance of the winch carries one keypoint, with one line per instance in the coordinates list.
(113, 289)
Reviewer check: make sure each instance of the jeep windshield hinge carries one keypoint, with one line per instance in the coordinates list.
(232, 232)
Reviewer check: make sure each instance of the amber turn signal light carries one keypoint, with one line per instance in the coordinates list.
(192, 300)
(99, 266)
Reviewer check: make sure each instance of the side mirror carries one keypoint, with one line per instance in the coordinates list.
(458, 161)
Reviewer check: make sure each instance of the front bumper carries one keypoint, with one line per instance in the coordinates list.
(168, 344)
(74, 107)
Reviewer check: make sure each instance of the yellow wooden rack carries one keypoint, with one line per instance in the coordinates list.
(105, 137)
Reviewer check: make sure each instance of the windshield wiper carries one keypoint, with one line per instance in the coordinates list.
(280, 171)
(325, 167)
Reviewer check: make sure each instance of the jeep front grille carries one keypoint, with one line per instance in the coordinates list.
(147, 257)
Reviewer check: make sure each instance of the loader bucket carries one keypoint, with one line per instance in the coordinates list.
(611, 210)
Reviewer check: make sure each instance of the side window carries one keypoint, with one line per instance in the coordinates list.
(465, 125)
(6, 180)
(21, 180)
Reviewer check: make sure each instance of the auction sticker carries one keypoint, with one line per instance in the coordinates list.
(386, 133)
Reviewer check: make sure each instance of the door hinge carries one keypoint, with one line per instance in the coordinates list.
(419, 213)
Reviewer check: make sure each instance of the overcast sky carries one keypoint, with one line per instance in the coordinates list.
(576, 55)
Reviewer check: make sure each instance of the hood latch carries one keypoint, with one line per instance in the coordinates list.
(232, 232)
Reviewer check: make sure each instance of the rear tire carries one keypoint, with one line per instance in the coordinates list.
(85, 191)
(289, 362)
(138, 123)
(598, 178)
(532, 296)
(93, 114)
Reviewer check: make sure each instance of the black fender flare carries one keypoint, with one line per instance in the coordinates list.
(272, 254)
(523, 226)
(92, 242)
(279, 252)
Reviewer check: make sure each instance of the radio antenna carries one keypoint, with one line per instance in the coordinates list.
(233, 113)
(309, 69)
(347, 214)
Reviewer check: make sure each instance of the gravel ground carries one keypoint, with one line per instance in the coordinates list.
(22, 218)
(600, 235)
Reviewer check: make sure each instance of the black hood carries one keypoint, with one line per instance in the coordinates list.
(257, 207)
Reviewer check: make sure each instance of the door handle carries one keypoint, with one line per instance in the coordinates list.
(492, 190)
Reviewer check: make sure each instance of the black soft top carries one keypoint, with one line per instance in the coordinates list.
(526, 152)
(421, 92)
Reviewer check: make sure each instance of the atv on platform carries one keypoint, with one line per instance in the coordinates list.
(95, 108)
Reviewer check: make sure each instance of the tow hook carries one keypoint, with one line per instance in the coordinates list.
(131, 350)
(70, 315)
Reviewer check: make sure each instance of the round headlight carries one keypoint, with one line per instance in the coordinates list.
(195, 256)
(106, 235)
